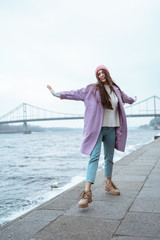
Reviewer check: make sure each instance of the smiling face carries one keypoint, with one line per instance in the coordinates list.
(101, 75)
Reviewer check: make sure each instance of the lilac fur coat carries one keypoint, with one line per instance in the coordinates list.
(93, 117)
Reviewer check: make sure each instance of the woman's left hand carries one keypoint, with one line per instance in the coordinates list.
(135, 98)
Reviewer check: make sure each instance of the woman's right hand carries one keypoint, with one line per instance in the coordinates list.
(49, 87)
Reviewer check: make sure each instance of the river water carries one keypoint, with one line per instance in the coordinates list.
(30, 164)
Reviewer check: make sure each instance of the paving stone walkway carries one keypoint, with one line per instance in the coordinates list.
(134, 215)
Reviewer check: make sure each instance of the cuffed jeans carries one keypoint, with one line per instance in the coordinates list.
(107, 135)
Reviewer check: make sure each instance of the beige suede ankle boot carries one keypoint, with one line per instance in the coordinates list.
(85, 198)
(112, 188)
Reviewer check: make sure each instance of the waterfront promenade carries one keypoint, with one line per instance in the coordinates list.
(134, 215)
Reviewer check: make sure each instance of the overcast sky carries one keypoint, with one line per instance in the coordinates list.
(61, 42)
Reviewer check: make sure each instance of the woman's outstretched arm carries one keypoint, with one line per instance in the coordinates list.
(78, 95)
(127, 99)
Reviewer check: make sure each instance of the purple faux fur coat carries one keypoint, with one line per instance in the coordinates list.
(93, 117)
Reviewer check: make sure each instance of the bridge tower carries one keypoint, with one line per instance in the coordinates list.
(25, 126)
(155, 118)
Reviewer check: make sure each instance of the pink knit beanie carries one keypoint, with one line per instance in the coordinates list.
(100, 68)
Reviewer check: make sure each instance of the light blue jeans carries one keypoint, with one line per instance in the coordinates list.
(107, 135)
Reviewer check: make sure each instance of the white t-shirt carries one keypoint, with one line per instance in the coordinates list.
(111, 117)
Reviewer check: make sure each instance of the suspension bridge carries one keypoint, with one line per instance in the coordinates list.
(25, 113)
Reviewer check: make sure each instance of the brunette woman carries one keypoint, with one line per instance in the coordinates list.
(104, 121)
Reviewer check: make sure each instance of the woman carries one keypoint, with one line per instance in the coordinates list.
(104, 120)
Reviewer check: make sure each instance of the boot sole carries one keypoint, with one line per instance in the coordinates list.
(84, 205)
(115, 194)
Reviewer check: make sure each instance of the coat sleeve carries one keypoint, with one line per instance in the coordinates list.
(78, 95)
(126, 98)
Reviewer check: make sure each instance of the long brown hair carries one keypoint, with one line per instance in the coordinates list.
(105, 98)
